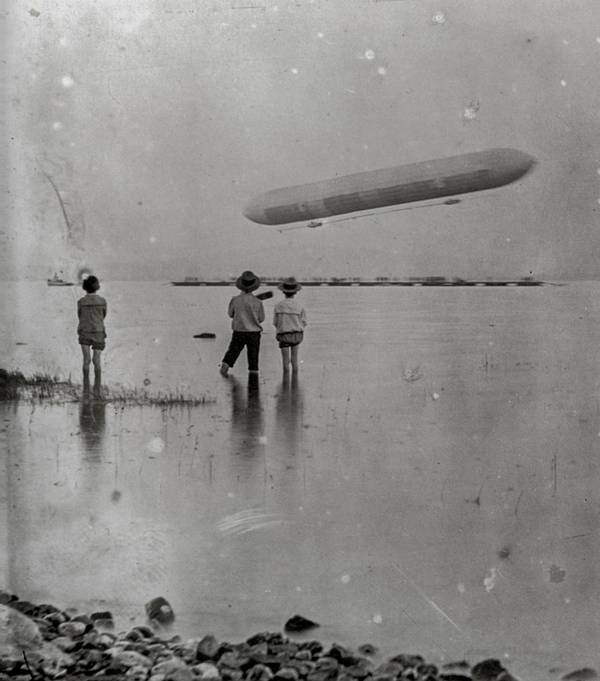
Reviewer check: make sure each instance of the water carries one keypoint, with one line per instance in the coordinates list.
(428, 484)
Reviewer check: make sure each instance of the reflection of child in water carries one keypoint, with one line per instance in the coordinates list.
(289, 320)
(91, 311)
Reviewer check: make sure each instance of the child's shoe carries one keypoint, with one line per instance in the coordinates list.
(224, 368)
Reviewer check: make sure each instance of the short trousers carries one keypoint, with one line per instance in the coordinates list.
(290, 338)
(96, 340)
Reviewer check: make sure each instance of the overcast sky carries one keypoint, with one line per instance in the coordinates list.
(156, 121)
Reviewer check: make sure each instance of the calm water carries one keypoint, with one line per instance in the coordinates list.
(428, 484)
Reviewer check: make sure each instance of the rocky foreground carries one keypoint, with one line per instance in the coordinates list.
(44, 642)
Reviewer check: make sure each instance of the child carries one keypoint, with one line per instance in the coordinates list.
(289, 320)
(247, 313)
(91, 310)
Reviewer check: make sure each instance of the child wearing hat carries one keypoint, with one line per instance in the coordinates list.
(247, 314)
(289, 320)
(91, 311)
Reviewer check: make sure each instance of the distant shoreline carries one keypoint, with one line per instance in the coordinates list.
(335, 281)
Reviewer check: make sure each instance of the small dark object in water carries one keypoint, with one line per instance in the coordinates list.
(205, 335)
(159, 610)
(487, 670)
(583, 674)
(299, 623)
(367, 649)
(504, 552)
(265, 296)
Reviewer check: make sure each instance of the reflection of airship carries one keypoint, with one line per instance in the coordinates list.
(389, 186)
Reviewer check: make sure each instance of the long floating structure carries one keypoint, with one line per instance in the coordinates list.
(340, 281)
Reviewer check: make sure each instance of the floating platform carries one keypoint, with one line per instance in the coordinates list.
(433, 281)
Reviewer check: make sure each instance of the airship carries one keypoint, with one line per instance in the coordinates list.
(385, 187)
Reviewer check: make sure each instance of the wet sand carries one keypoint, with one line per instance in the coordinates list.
(428, 484)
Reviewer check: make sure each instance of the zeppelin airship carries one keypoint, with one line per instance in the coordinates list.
(384, 187)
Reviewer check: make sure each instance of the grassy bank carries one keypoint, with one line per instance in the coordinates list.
(15, 386)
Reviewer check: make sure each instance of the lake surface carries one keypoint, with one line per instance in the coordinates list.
(429, 483)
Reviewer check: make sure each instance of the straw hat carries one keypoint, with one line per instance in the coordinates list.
(289, 285)
(247, 282)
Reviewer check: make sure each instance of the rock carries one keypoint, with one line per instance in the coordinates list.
(408, 661)
(583, 674)
(208, 648)
(233, 660)
(287, 674)
(159, 610)
(259, 672)
(124, 659)
(72, 629)
(181, 675)
(299, 623)
(169, 666)
(66, 643)
(487, 670)
(205, 671)
(6, 598)
(137, 673)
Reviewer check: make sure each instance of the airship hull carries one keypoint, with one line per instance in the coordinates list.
(390, 186)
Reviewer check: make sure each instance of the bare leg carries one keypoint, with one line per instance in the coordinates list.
(285, 359)
(294, 353)
(97, 373)
(87, 360)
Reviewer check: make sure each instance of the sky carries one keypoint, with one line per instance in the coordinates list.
(137, 132)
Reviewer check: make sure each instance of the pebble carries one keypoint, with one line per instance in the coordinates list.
(159, 610)
(205, 671)
(72, 629)
(299, 623)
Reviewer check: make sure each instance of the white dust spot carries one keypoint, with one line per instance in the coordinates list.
(598, 171)
(300, 508)
(438, 18)
(33, 76)
(461, 588)
(72, 144)
(491, 343)
(63, 42)
(275, 8)
(57, 125)
(565, 42)
(382, 70)
(67, 81)
(490, 581)
(563, 83)
(598, 200)
(436, 396)
(377, 619)
(294, 70)
(369, 54)
(567, 600)
(507, 239)
(156, 445)
(252, 25)
(231, 495)
(152, 239)
(470, 112)
(262, 440)
(345, 579)
(298, 588)
(598, 39)
(156, 340)
(320, 35)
